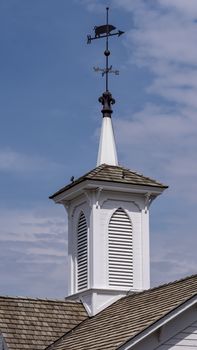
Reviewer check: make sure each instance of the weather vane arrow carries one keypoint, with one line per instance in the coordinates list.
(105, 31)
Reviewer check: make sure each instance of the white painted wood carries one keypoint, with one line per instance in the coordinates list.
(187, 335)
(74, 210)
(99, 201)
(129, 244)
(78, 189)
(107, 148)
(145, 248)
(185, 339)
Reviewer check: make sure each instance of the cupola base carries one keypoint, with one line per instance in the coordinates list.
(96, 300)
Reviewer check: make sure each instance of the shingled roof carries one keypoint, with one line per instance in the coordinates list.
(126, 318)
(111, 173)
(33, 324)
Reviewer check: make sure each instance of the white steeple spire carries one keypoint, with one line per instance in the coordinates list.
(107, 148)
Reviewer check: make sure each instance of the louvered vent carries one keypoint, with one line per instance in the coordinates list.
(120, 247)
(82, 253)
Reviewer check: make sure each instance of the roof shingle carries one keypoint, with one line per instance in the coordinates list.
(127, 317)
(33, 324)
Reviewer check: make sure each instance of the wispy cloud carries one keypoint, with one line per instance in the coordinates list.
(163, 39)
(185, 8)
(33, 252)
(92, 5)
(18, 162)
(173, 256)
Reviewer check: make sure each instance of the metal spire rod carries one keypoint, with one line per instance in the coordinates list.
(104, 31)
(107, 52)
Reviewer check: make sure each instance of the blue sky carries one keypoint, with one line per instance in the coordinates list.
(50, 121)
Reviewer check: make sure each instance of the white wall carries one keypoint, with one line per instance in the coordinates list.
(98, 214)
(184, 340)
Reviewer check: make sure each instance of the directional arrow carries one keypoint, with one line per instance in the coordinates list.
(120, 32)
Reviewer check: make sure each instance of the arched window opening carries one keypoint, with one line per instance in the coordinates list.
(120, 250)
(82, 253)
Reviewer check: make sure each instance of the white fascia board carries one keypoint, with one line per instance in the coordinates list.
(71, 193)
(125, 187)
(158, 324)
(107, 186)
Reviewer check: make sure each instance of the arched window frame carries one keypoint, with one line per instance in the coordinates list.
(120, 250)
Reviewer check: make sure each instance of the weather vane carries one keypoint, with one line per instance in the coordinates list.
(104, 31)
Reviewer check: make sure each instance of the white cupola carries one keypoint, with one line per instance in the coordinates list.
(108, 234)
(108, 219)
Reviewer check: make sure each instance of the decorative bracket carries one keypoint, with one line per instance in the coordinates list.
(88, 197)
(66, 205)
(98, 193)
(149, 198)
(160, 333)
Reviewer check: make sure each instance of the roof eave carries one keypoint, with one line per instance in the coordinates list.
(78, 188)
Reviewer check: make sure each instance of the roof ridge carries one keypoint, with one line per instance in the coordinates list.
(96, 170)
(39, 299)
(140, 174)
(100, 167)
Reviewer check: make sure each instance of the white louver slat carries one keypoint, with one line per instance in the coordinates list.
(120, 250)
(82, 253)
